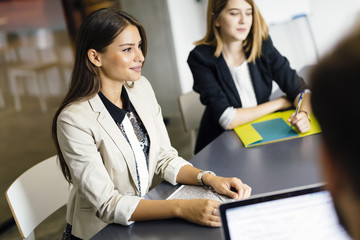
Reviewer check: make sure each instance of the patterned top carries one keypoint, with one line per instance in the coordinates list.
(131, 125)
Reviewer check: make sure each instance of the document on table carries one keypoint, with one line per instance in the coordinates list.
(194, 192)
(272, 128)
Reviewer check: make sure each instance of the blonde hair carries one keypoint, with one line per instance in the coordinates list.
(258, 32)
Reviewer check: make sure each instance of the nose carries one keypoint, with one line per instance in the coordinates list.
(241, 18)
(139, 56)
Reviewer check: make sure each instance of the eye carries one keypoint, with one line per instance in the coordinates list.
(127, 50)
(249, 13)
(140, 45)
(233, 13)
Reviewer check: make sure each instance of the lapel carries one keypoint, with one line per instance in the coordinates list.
(110, 127)
(225, 74)
(256, 80)
(140, 103)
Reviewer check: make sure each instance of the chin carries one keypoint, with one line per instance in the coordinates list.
(135, 78)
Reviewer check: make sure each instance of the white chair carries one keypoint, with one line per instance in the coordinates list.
(36, 194)
(191, 111)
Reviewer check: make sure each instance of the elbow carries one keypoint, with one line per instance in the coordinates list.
(230, 127)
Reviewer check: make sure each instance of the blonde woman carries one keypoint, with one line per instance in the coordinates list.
(233, 67)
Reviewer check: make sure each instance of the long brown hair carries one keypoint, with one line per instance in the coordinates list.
(258, 32)
(97, 31)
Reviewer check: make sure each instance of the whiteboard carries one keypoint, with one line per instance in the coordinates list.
(277, 11)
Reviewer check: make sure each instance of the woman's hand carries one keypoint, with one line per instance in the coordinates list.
(300, 121)
(200, 211)
(232, 187)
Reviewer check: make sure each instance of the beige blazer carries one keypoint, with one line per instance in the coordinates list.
(105, 187)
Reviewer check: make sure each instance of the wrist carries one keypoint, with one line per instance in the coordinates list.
(176, 207)
(306, 113)
(204, 178)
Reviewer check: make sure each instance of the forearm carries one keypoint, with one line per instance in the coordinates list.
(188, 175)
(246, 115)
(156, 209)
(306, 104)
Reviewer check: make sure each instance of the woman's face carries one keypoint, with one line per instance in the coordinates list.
(235, 21)
(123, 58)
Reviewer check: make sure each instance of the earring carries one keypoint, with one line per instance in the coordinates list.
(131, 85)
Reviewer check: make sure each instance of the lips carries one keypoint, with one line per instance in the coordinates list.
(136, 69)
(241, 29)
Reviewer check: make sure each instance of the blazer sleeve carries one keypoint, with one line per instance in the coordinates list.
(286, 77)
(168, 162)
(77, 137)
(203, 66)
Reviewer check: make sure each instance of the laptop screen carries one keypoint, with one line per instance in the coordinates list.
(298, 214)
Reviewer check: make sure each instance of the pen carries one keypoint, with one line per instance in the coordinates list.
(298, 105)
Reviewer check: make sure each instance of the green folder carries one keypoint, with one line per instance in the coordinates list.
(272, 128)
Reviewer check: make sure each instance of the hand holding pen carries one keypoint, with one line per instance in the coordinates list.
(300, 121)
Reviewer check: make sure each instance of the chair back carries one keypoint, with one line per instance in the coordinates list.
(191, 110)
(36, 194)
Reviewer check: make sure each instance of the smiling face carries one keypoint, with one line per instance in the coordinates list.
(235, 21)
(123, 58)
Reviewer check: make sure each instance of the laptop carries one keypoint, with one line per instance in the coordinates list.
(298, 213)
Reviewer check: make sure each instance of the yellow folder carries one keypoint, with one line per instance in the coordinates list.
(272, 128)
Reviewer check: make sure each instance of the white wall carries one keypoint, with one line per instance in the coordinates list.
(329, 21)
(188, 25)
(332, 20)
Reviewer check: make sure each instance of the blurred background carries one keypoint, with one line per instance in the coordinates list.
(36, 57)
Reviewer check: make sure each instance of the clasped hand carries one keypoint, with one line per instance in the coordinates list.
(206, 211)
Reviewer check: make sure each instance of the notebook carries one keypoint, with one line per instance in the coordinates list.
(193, 192)
(272, 128)
(302, 213)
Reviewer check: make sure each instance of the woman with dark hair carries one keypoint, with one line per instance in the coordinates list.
(233, 67)
(111, 139)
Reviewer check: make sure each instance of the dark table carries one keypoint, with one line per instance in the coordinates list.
(266, 168)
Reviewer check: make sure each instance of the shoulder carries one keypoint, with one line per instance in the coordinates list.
(269, 51)
(267, 46)
(203, 52)
(81, 111)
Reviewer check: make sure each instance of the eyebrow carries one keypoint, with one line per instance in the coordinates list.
(238, 9)
(129, 44)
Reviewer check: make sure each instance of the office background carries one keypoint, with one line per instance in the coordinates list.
(36, 58)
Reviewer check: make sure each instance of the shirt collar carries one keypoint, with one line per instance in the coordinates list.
(117, 113)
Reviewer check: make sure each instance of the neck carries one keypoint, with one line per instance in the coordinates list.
(233, 53)
(113, 93)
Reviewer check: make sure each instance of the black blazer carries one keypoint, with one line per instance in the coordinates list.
(214, 83)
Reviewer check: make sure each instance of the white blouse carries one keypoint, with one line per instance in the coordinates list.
(245, 88)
